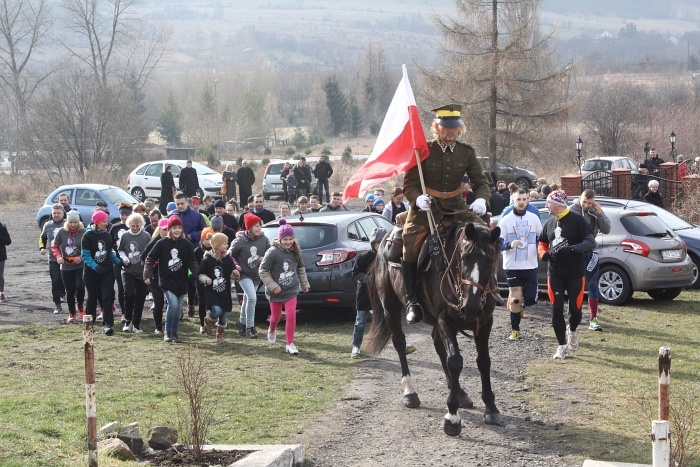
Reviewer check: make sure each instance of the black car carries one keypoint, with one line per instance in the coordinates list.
(330, 243)
(525, 179)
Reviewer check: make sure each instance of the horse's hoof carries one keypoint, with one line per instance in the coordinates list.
(411, 401)
(493, 418)
(465, 402)
(453, 429)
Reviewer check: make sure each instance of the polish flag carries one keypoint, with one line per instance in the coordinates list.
(394, 152)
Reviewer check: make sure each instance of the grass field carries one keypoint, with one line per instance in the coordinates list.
(264, 394)
(595, 396)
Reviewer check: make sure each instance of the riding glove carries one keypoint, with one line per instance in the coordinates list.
(478, 206)
(424, 202)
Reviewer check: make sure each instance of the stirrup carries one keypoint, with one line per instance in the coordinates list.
(414, 313)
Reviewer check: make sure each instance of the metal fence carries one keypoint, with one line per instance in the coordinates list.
(635, 186)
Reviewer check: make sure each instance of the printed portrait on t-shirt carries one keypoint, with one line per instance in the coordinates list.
(287, 275)
(134, 254)
(70, 246)
(253, 262)
(175, 262)
(557, 237)
(101, 253)
(219, 282)
(119, 236)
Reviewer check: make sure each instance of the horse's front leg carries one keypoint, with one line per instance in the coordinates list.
(483, 362)
(398, 338)
(464, 401)
(454, 364)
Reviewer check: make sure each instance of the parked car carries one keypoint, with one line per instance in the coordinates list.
(525, 179)
(83, 198)
(607, 164)
(272, 183)
(330, 243)
(144, 181)
(641, 253)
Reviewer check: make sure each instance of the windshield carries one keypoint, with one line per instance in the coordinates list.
(670, 219)
(275, 169)
(201, 169)
(308, 236)
(596, 164)
(117, 195)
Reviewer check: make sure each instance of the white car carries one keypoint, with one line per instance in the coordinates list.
(144, 181)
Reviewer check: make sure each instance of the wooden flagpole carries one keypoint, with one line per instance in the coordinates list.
(431, 221)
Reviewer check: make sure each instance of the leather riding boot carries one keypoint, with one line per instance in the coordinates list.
(414, 312)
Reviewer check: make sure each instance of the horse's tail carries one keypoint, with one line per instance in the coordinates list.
(379, 332)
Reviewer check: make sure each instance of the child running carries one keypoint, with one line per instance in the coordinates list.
(202, 248)
(215, 273)
(247, 251)
(283, 273)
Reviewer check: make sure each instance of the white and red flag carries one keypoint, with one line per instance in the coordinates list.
(394, 152)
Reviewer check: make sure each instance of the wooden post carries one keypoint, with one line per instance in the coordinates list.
(90, 401)
(664, 380)
(660, 429)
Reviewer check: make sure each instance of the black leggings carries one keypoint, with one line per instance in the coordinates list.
(135, 291)
(102, 284)
(57, 288)
(117, 269)
(75, 288)
(158, 303)
(202, 304)
(556, 287)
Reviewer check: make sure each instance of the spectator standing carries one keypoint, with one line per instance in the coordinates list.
(520, 229)
(283, 176)
(167, 188)
(285, 209)
(467, 193)
(323, 172)
(378, 205)
(175, 256)
(98, 254)
(230, 221)
(540, 183)
(314, 204)
(565, 238)
(653, 196)
(48, 233)
(497, 203)
(683, 171)
(208, 204)
(303, 178)
(189, 182)
(154, 286)
(259, 210)
(303, 206)
(545, 191)
(336, 203)
(192, 222)
(396, 206)
(654, 162)
(598, 222)
(5, 241)
(150, 204)
(215, 273)
(66, 250)
(283, 273)
(246, 179)
(369, 203)
(131, 247)
(292, 186)
(247, 251)
(379, 192)
(229, 177)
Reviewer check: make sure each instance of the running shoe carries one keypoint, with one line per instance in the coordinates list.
(562, 352)
(71, 319)
(81, 313)
(3, 298)
(157, 331)
(291, 349)
(594, 325)
(136, 330)
(108, 331)
(571, 339)
(252, 333)
(514, 335)
(271, 336)
(57, 310)
(410, 349)
(100, 317)
(128, 327)
(355, 352)
(201, 330)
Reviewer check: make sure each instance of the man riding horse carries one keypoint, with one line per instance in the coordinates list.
(443, 170)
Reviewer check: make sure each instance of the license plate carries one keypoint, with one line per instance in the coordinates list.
(671, 254)
(276, 185)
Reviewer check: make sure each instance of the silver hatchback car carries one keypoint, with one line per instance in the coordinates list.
(640, 254)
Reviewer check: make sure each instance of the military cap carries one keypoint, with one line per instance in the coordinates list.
(449, 115)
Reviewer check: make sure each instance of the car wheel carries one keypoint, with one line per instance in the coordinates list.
(614, 285)
(139, 194)
(696, 271)
(523, 183)
(665, 294)
(43, 221)
(266, 196)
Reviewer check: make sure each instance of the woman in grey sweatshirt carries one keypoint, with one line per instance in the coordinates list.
(283, 273)
(131, 247)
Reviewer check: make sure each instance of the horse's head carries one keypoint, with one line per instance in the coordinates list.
(478, 253)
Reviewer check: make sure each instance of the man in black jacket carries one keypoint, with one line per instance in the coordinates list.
(189, 182)
(302, 174)
(323, 172)
(246, 178)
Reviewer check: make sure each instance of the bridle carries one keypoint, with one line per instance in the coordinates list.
(457, 284)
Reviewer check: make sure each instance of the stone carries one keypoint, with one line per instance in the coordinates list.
(161, 437)
(114, 447)
(108, 430)
(135, 443)
(131, 429)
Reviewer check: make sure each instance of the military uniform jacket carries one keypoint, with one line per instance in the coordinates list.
(443, 172)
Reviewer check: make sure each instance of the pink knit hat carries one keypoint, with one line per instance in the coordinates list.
(99, 216)
(163, 223)
(285, 230)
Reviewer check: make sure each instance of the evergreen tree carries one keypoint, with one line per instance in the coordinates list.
(337, 105)
(355, 117)
(170, 121)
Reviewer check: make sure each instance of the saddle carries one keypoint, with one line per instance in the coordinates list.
(430, 253)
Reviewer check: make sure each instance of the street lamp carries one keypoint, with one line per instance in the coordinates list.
(216, 111)
(577, 159)
(672, 138)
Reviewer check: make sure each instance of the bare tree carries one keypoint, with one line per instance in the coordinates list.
(500, 67)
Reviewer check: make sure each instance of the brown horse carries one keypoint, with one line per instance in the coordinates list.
(455, 300)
